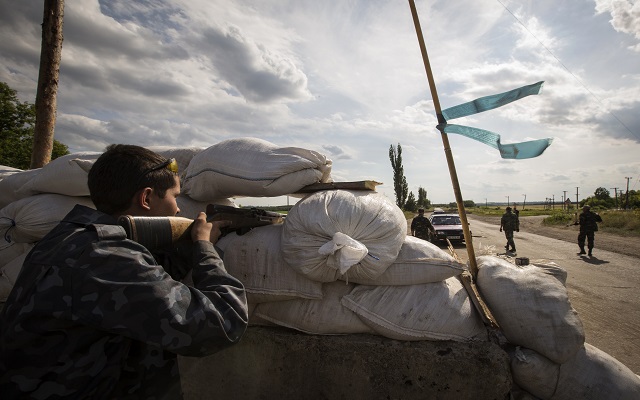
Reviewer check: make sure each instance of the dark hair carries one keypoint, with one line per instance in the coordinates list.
(121, 171)
(508, 208)
(421, 210)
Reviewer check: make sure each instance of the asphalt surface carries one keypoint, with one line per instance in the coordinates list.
(603, 289)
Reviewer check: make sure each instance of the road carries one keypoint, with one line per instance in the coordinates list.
(602, 289)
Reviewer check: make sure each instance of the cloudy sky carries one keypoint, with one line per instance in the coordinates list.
(346, 78)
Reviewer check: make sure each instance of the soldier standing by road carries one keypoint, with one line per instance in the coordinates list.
(588, 222)
(509, 223)
(421, 226)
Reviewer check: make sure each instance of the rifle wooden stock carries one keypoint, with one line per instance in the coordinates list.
(160, 232)
(156, 232)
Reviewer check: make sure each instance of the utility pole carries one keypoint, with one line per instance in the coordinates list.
(507, 200)
(486, 204)
(626, 202)
(577, 197)
(553, 201)
(524, 202)
(616, 192)
(564, 199)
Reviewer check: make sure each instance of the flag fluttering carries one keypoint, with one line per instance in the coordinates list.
(520, 150)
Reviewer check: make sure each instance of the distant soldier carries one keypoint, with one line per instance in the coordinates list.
(588, 222)
(421, 226)
(509, 223)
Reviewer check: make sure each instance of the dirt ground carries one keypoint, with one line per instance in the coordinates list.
(603, 240)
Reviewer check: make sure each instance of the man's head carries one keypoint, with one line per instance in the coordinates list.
(421, 211)
(508, 209)
(586, 208)
(128, 179)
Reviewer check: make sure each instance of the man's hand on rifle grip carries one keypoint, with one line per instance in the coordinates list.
(203, 230)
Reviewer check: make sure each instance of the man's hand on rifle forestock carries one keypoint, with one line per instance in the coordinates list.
(203, 230)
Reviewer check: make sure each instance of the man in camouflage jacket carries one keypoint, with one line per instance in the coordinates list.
(588, 222)
(421, 226)
(509, 223)
(93, 315)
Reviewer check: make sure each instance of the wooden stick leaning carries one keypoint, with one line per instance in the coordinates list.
(467, 279)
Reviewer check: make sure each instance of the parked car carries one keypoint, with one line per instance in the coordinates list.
(447, 226)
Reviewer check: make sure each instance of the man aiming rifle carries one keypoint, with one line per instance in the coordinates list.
(93, 314)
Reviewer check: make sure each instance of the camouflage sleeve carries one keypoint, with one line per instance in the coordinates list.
(123, 291)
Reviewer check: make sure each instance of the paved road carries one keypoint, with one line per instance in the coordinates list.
(602, 289)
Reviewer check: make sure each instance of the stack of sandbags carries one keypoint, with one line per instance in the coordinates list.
(388, 283)
(552, 360)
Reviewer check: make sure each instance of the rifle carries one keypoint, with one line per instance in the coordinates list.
(160, 232)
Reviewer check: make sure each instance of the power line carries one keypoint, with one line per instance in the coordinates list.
(569, 71)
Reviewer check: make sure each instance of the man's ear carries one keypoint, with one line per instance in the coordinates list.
(143, 198)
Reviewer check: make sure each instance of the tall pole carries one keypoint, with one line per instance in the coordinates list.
(473, 266)
(616, 193)
(577, 202)
(626, 202)
(524, 202)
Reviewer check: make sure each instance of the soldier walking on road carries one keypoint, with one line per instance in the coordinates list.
(509, 223)
(421, 226)
(588, 222)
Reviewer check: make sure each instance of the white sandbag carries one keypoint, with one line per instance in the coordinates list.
(318, 317)
(531, 305)
(418, 262)
(10, 184)
(431, 311)
(589, 374)
(252, 167)
(255, 258)
(369, 218)
(65, 175)
(7, 171)
(183, 155)
(190, 208)
(9, 249)
(30, 219)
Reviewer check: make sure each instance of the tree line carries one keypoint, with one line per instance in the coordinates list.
(17, 127)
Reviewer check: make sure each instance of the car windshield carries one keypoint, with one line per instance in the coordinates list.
(446, 220)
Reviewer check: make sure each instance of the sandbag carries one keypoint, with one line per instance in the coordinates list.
(431, 311)
(10, 184)
(255, 258)
(30, 219)
(9, 249)
(369, 218)
(65, 175)
(589, 374)
(318, 317)
(252, 167)
(418, 262)
(183, 155)
(7, 171)
(531, 305)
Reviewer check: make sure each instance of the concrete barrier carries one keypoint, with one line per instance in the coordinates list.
(278, 363)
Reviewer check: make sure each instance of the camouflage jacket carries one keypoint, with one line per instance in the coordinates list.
(421, 226)
(589, 221)
(510, 222)
(92, 315)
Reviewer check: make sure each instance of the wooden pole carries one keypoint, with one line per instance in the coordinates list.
(46, 96)
(473, 266)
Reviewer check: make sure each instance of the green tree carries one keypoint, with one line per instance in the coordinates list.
(411, 204)
(400, 186)
(422, 198)
(602, 194)
(17, 121)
